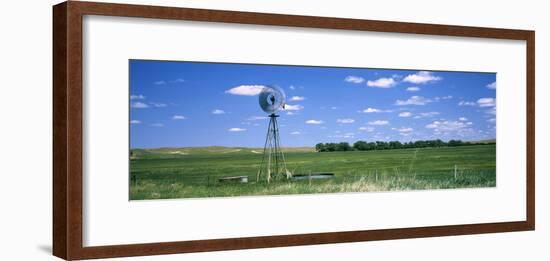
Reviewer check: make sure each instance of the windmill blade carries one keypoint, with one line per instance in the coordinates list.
(272, 99)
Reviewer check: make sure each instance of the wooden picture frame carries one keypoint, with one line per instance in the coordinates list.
(68, 145)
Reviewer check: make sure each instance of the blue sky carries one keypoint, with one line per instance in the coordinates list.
(190, 104)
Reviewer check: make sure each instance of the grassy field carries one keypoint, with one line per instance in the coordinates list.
(194, 172)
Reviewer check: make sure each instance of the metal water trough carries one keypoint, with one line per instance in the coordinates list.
(323, 175)
(234, 179)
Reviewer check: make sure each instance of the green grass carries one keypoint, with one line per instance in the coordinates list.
(194, 172)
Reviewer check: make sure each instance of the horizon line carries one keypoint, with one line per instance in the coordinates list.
(304, 146)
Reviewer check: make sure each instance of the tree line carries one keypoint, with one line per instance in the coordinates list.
(383, 145)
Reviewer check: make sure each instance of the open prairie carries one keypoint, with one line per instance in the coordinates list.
(194, 172)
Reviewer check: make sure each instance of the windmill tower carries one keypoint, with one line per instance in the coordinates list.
(272, 99)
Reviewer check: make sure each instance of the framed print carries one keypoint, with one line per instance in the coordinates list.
(219, 130)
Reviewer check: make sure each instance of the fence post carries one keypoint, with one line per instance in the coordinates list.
(455, 172)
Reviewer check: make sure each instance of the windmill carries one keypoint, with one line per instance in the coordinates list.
(272, 99)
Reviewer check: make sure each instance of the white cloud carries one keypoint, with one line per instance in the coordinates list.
(492, 120)
(159, 125)
(486, 102)
(137, 97)
(466, 103)
(371, 110)
(236, 129)
(178, 80)
(433, 125)
(292, 87)
(446, 126)
(421, 78)
(158, 105)
(462, 119)
(413, 89)
(367, 129)
(405, 131)
(256, 118)
(414, 100)
(492, 111)
(290, 113)
(378, 122)
(405, 114)
(347, 135)
(296, 107)
(354, 79)
(448, 97)
(426, 114)
(139, 105)
(297, 98)
(345, 121)
(218, 111)
(382, 83)
(135, 122)
(314, 122)
(179, 117)
(295, 133)
(246, 90)
(492, 85)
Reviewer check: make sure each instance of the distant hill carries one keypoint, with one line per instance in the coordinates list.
(182, 151)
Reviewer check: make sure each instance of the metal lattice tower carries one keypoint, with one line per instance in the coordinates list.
(273, 161)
